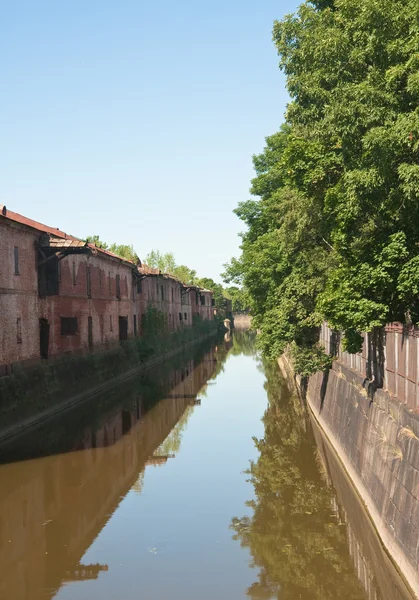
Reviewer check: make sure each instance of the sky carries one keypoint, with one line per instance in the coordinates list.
(137, 121)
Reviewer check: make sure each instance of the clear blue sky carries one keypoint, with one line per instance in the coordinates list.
(138, 120)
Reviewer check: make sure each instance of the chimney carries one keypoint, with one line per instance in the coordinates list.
(3, 210)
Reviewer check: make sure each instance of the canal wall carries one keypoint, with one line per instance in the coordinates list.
(376, 571)
(30, 396)
(377, 440)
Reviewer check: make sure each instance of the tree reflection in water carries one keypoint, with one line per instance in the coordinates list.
(295, 538)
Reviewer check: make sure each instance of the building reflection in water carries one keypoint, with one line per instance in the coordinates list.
(66, 480)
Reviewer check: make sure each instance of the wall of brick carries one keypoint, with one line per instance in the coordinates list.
(206, 310)
(165, 294)
(18, 295)
(103, 307)
(88, 292)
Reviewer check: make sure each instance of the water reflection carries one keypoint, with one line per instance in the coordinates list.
(131, 495)
(298, 534)
(52, 508)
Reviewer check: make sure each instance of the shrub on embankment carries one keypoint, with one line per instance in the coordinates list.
(27, 392)
(333, 231)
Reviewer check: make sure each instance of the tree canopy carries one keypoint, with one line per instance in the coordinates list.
(122, 250)
(166, 263)
(333, 228)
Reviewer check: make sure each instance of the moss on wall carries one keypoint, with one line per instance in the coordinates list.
(28, 392)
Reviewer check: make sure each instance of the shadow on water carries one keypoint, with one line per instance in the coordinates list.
(307, 541)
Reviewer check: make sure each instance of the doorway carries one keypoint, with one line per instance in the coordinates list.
(44, 337)
(123, 328)
(90, 331)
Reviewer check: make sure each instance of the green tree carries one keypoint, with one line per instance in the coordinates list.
(165, 263)
(334, 230)
(186, 275)
(122, 250)
(94, 239)
(125, 251)
(239, 298)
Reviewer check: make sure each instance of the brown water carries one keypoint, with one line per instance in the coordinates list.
(200, 480)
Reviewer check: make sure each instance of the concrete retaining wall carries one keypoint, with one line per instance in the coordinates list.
(377, 440)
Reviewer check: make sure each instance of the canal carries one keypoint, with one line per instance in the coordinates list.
(204, 478)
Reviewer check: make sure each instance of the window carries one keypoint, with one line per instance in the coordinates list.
(88, 282)
(48, 277)
(74, 273)
(202, 300)
(16, 256)
(180, 316)
(100, 278)
(162, 292)
(59, 272)
(139, 286)
(185, 316)
(109, 281)
(19, 330)
(172, 295)
(126, 285)
(110, 323)
(102, 326)
(69, 326)
(118, 286)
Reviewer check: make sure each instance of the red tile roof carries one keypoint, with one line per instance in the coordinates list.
(5, 212)
(56, 232)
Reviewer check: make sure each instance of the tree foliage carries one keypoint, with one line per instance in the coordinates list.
(95, 239)
(166, 263)
(333, 229)
(125, 251)
(122, 250)
(239, 297)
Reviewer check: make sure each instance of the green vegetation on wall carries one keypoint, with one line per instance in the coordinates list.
(29, 391)
(333, 229)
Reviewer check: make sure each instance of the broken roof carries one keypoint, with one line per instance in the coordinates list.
(57, 238)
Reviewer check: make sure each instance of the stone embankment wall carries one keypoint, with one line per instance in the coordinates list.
(377, 440)
(376, 571)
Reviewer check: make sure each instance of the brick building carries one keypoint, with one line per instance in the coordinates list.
(167, 294)
(60, 294)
